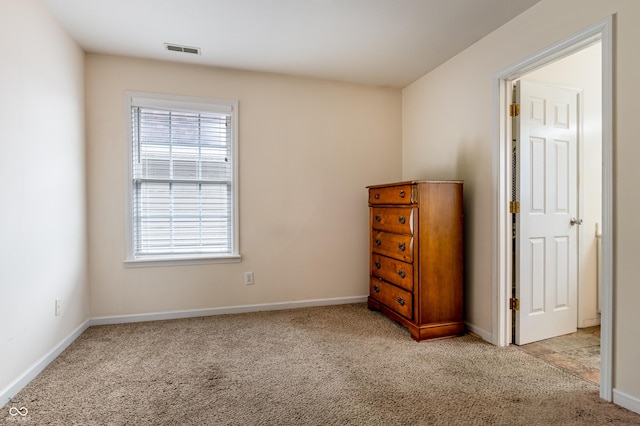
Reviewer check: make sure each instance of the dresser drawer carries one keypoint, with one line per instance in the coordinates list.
(398, 220)
(394, 271)
(401, 301)
(397, 246)
(400, 194)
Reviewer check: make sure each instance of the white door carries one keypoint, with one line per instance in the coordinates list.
(546, 226)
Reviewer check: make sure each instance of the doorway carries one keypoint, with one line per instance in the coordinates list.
(567, 335)
(583, 70)
(600, 32)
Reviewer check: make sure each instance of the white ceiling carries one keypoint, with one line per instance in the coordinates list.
(378, 42)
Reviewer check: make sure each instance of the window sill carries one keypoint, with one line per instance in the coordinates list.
(181, 260)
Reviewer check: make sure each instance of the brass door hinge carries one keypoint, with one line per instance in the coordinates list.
(514, 207)
(514, 304)
(514, 110)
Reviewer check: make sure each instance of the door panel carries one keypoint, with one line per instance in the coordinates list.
(546, 180)
(538, 255)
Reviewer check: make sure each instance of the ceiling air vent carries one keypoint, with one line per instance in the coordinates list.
(183, 49)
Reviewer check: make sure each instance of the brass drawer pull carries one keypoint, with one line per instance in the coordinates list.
(376, 289)
(402, 220)
(402, 273)
(402, 246)
(378, 266)
(378, 218)
(377, 196)
(400, 301)
(402, 194)
(378, 242)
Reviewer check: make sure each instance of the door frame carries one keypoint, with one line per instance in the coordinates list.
(502, 268)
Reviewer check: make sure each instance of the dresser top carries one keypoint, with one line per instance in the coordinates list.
(412, 182)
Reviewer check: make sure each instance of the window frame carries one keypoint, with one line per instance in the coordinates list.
(180, 103)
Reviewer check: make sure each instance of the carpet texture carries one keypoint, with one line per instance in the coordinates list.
(336, 365)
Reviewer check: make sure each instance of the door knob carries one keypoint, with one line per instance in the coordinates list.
(575, 221)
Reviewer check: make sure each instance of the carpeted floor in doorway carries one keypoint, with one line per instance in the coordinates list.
(336, 365)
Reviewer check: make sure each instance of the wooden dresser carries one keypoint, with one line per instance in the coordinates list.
(416, 256)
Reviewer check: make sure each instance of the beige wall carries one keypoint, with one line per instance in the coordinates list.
(307, 150)
(448, 132)
(42, 188)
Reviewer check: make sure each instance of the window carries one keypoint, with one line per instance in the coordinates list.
(183, 186)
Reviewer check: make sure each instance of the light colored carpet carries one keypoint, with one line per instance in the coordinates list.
(337, 365)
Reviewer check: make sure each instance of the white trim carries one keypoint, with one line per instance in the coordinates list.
(30, 373)
(601, 31)
(183, 103)
(239, 309)
(627, 401)
(501, 240)
(606, 274)
(178, 261)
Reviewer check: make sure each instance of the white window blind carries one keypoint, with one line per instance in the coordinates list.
(182, 179)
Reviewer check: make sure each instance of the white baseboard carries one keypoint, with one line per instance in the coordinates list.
(627, 401)
(486, 336)
(16, 386)
(240, 309)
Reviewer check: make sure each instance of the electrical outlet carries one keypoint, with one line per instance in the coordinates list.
(58, 307)
(248, 278)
